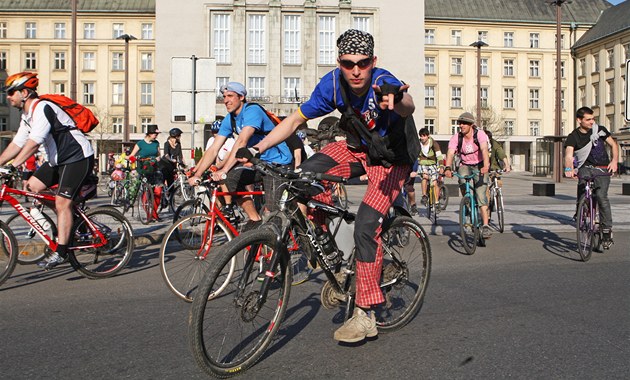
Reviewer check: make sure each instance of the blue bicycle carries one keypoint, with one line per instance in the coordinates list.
(470, 222)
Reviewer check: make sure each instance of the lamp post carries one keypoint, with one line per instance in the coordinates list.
(479, 44)
(127, 38)
(73, 47)
(557, 149)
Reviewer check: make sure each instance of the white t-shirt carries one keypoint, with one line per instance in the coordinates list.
(225, 149)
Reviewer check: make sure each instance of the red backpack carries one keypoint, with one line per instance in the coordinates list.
(83, 118)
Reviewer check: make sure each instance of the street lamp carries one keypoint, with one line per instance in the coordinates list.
(557, 149)
(479, 44)
(127, 38)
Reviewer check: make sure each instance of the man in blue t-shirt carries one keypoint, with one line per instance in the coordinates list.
(251, 124)
(382, 104)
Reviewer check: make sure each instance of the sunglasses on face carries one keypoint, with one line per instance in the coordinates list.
(11, 92)
(465, 123)
(349, 65)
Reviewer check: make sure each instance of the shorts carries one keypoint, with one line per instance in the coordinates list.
(69, 177)
(26, 175)
(431, 170)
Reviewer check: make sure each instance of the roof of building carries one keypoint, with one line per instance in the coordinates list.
(537, 11)
(613, 20)
(140, 6)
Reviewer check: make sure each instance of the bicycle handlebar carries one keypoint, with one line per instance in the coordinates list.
(593, 176)
(469, 176)
(294, 175)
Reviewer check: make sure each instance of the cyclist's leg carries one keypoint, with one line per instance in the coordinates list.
(237, 178)
(481, 189)
(605, 215)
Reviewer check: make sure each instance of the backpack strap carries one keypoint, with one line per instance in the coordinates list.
(256, 131)
(460, 141)
(360, 127)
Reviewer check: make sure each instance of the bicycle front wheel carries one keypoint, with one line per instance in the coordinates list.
(188, 247)
(499, 207)
(8, 252)
(229, 333)
(406, 272)
(31, 248)
(443, 197)
(109, 258)
(145, 203)
(584, 229)
(193, 206)
(468, 230)
(340, 196)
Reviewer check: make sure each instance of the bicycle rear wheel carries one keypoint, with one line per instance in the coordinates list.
(8, 252)
(406, 272)
(584, 229)
(468, 230)
(31, 248)
(109, 259)
(180, 195)
(186, 252)
(145, 203)
(229, 333)
(499, 207)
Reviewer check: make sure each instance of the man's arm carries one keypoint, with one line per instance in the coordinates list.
(230, 161)
(450, 155)
(297, 157)
(209, 155)
(486, 157)
(9, 153)
(614, 148)
(280, 132)
(568, 162)
(28, 150)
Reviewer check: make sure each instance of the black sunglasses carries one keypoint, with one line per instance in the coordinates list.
(464, 122)
(11, 92)
(349, 65)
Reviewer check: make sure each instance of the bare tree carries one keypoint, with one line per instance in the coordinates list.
(492, 121)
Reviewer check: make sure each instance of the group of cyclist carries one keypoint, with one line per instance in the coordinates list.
(376, 111)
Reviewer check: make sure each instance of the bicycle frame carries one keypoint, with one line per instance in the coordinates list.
(470, 194)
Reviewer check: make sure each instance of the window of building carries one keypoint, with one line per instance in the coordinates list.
(595, 63)
(257, 40)
(508, 67)
(221, 41)
(221, 81)
(256, 87)
(30, 60)
(429, 36)
(144, 123)
(146, 94)
(429, 96)
(454, 126)
(582, 95)
(429, 65)
(291, 92)
(117, 94)
(456, 66)
(430, 125)
(555, 43)
(89, 61)
(534, 39)
(483, 95)
(456, 37)
(562, 65)
(4, 122)
(582, 66)
(534, 98)
(562, 100)
(534, 128)
(60, 60)
(146, 61)
(3, 59)
(508, 98)
(327, 40)
(610, 90)
(610, 53)
(59, 88)
(117, 124)
(147, 31)
(456, 97)
(3, 29)
(89, 30)
(118, 29)
(60, 30)
(534, 68)
(508, 39)
(508, 128)
(292, 39)
(89, 93)
(596, 94)
(626, 49)
(362, 23)
(31, 30)
(483, 67)
(483, 35)
(118, 61)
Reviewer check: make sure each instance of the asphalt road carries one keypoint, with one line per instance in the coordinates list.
(523, 307)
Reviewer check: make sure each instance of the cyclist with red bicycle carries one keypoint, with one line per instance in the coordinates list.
(70, 155)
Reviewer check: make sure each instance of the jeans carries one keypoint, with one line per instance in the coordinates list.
(600, 190)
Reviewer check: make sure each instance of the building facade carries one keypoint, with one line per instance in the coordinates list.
(517, 69)
(37, 36)
(278, 49)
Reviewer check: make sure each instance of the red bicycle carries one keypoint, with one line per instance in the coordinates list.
(101, 240)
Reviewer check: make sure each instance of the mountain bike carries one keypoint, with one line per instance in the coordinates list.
(469, 215)
(101, 239)
(589, 234)
(230, 332)
(495, 201)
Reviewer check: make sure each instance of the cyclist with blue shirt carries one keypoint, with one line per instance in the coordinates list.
(251, 124)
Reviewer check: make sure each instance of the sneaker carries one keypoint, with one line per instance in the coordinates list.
(357, 328)
(251, 225)
(413, 210)
(607, 240)
(51, 261)
(485, 232)
(424, 200)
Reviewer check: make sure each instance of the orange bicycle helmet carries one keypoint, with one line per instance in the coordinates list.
(21, 81)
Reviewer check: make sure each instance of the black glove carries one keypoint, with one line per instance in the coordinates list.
(388, 88)
(247, 153)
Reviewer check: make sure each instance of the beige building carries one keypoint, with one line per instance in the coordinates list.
(601, 55)
(278, 49)
(37, 36)
(518, 69)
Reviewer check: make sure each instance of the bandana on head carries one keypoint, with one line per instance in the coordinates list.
(354, 41)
